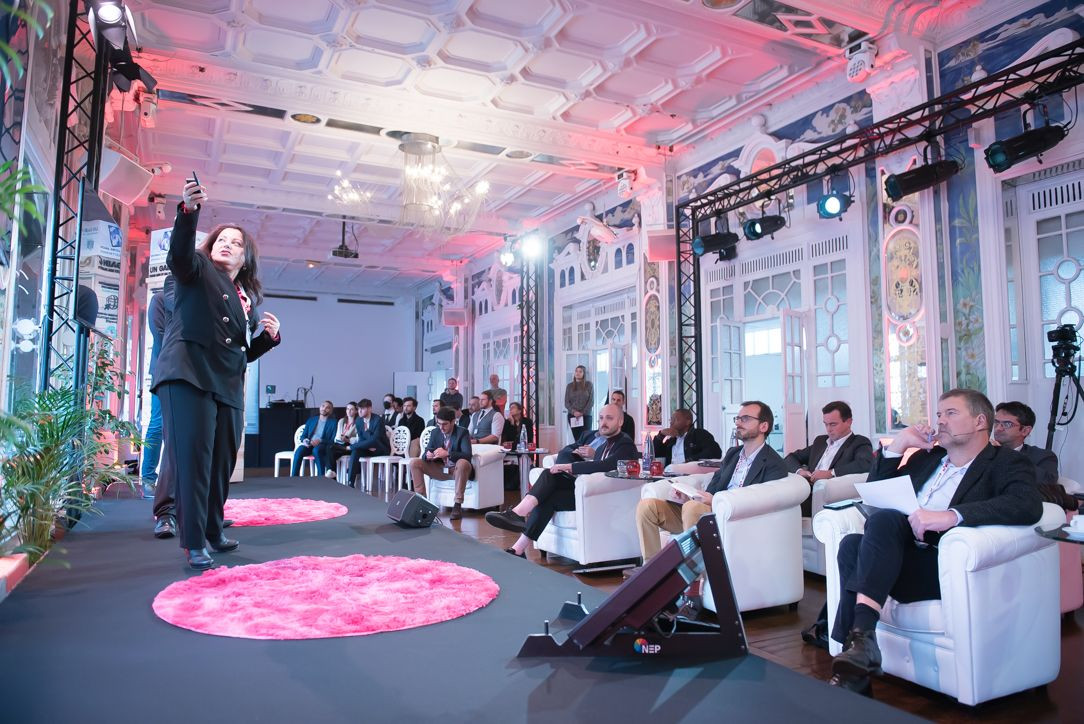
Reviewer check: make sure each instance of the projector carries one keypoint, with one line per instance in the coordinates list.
(344, 252)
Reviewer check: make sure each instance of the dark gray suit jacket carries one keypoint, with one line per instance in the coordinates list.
(1045, 462)
(855, 456)
(767, 465)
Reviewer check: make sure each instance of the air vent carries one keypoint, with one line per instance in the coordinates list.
(771, 261)
(1048, 198)
(1058, 170)
(371, 302)
(295, 297)
(352, 126)
(837, 245)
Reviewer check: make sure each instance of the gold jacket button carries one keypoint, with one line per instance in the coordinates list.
(228, 340)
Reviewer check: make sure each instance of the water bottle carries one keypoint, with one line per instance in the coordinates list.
(649, 455)
(522, 437)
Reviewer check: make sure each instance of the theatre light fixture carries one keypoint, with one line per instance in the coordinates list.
(764, 226)
(836, 202)
(508, 256)
(112, 29)
(1003, 155)
(531, 245)
(919, 178)
(725, 243)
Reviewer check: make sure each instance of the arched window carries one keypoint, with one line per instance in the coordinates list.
(571, 276)
(630, 254)
(515, 296)
(563, 278)
(617, 258)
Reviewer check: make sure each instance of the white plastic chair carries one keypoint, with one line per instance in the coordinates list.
(402, 466)
(288, 456)
(400, 442)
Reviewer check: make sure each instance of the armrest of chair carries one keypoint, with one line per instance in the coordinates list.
(1071, 486)
(988, 546)
(767, 497)
(690, 468)
(829, 526)
(548, 461)
(593, 484)
(486, 455)
(833, 490)
(662, 490)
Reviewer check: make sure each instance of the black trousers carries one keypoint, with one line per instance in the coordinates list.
(355, 463)
(884, 561)
(164, 488)
(554, 493)
(202, 437)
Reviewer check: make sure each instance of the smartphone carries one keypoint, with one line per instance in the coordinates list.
(842, 504)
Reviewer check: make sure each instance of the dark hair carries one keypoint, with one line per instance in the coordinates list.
(765, 414)
(619, 392)
(437, 400)
(1020, 411)
(249, 276)
(683, 411)
(451, 379)
(488, 397)
(397, 400)
(579, 384)
(977, 403)
(515, 404)
(839, 406)
(365, 402)
(446, 413)
(408, 398)
(474, 397)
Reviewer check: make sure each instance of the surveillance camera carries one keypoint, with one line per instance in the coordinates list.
(159, 206)
(860, 60)
(159, 169)
(148, 110)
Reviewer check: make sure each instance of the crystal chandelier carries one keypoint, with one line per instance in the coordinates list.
(434, 199)
(346, 193)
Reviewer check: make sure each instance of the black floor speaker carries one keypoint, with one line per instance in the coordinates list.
(411, 510)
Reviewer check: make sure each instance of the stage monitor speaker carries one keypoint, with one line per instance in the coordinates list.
(454, 317)
(122, 178)
(411, 510)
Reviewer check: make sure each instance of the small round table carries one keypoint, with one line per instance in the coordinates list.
(1060, 535)
(525, 465)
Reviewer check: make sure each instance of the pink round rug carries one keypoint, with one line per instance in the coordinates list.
(278, 511)
(314, 597)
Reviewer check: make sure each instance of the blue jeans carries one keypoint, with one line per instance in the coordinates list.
(152, 443)
(319, 452)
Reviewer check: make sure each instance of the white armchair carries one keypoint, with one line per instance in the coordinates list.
(485, 489)
(996, 629)
(829, 490)
(603, 525)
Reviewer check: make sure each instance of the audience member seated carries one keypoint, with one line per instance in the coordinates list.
(473, 405)
(1013, 422)
(447, 456)
(752, 462)
(414, 422)
(840, 452)
(432, 422)
(555, 490)
(316, 439)
(628, 425)
(389, 409)
(513, 426)
(372, 439)
(487, 424)
(960, 479)
(451, 397)
(497, 394)
(346, 434)
(683, 443)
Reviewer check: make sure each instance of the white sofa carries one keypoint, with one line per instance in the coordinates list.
(761, 527)
(602, 528)
(485, 489)
(829, 490)
(996, 629)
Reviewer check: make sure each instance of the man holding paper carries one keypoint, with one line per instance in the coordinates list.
(752, 462)
(958, 478)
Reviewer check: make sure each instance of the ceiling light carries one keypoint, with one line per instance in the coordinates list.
(1003, 155)
(433, 198)
(347, 194)
(723, 242)
(305, 118)
(312, 264)
(531, 245)
(919, 178)
(764, 226)
(833, 204)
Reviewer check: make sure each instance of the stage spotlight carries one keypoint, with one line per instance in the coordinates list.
(507, 256)
(903, 184)
(764, 226)
(112, 28)
(531, 245)
(833, 205)
(1003, 155)
(723, 242)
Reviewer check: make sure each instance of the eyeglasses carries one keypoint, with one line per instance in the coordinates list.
(742, 419)
(1006, 424)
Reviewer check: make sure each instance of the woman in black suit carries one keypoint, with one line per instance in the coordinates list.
(200, 376)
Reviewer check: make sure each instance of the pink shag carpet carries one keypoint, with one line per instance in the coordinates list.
(279, 511)
(312, 597)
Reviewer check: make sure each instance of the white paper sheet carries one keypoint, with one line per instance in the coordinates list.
(690, 491)
(893, 493)
(576, 422)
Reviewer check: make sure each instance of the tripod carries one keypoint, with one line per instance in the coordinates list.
(1061, 372)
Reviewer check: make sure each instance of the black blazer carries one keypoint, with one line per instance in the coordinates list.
(459, 447)
(628, 426)
(372, 437)
(998, 489)
(415, 423)
(699, 445)
(206, 342)
(622, 448)
(767, 465)
(855, 456)
(1045, 462)
(510, 431)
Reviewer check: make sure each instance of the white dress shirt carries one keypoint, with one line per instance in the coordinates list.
(677, 453)
(938, 490)
(825, 463)
(745, 461)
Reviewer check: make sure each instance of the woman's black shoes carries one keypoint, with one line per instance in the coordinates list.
(513, 552)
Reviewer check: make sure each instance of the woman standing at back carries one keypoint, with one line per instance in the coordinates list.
(200, 377)
(579, 396)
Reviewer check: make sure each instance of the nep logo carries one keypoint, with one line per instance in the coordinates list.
(643, 647)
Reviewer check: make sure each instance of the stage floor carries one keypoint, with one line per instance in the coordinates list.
(82, 643)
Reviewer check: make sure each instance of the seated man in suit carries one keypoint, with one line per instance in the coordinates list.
(628, 425)
(487, 424)
(1013, 422)
(410, 419)
(432, 421)
(960, 479)
(448, 455)
(840, 452)
(372, 439)
(555, 489)
(473, 405)
(752, 462)
(316, 439)
(683, 443)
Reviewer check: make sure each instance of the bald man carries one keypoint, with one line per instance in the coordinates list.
(595, 452)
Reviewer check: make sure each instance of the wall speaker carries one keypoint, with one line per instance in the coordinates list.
(453, 316)
(123, 178)
(411, 510)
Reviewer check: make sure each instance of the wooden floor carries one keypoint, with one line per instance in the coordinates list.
(775, 634)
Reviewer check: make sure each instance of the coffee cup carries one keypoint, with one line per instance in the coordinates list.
(1077, 523)
(507, 445)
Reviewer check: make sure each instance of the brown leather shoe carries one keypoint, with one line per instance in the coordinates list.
(862, 656)
(457, 512)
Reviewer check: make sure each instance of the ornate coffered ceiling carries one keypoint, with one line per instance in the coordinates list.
(545, 99)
